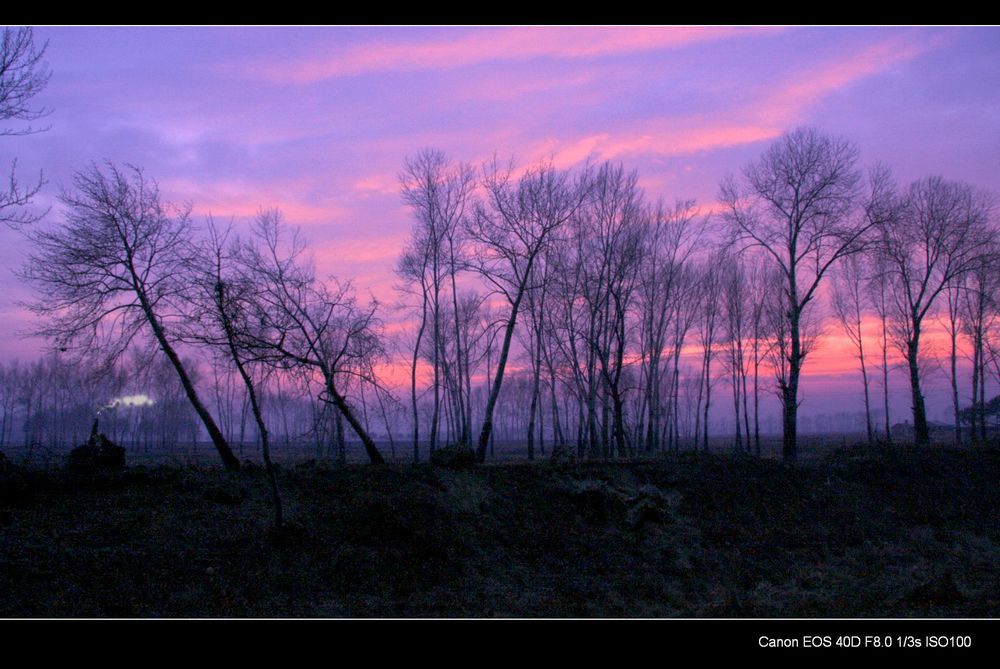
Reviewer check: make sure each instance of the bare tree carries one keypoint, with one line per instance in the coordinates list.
(225, 300)
(615, 221)
(849, 302)
(535, 343)
(113, 270)
(439, 193)
(977, 316)
(881, 302)
(303, 323)
(709, 305)
(23, 75)
(685, 316)
(799, 203)
(953, 324)
(758, 274)
(571, 325)
(412, 267)
(935, 237)
(510, 231)
(737, 312)
(661, 306)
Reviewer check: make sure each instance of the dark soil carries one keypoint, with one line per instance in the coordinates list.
(916, 533)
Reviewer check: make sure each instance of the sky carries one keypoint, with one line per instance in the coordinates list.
(318, 121)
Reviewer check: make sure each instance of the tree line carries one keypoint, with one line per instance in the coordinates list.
(600, 296)
(608, 290)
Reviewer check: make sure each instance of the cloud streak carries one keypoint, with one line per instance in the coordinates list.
(771, 114)
(808, 88)
(480, 46)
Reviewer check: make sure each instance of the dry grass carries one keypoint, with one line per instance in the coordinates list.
(906, 534)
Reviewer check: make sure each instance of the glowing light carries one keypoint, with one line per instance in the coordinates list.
(128, 401)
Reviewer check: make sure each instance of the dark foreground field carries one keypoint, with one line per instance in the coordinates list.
(911, 534)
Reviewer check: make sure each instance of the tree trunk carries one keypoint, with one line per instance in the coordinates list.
(436, 333)
(864, 380)
(756, 395)
(738, 439)
(338, 401)
(790, 392)
(954, 384)
(339, 436)
(532, 412)
(484, 434)
(708, 398)
(789, 450)
(982, 390)
(218, 440)
(885, 379)
(464, 436)
(559, 442)
(921, 432)
(265, 443)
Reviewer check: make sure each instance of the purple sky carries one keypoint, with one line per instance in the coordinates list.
(318, 121)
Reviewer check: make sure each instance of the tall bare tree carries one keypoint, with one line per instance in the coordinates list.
(662, 287)
(535, 344)
(978, 312)
(439, 192)
(510, 231)
(759, 274)
(708, 323)
(953, 324)
(799, 203)
(113, 270)
(615, 220)
(412, 267)
(225, 299)
(935, 237)
(849, 303)
(736, 311)
(881, 302)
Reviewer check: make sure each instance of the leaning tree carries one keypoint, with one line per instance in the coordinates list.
(303, 324)
(509, 232)
(113, 272)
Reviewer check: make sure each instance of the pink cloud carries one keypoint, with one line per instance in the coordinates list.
(486, 45)
(787, 103)
(764, 120)
(669, 138)
(512, 88)
(379, 247)
(244, 200)
(377, 184)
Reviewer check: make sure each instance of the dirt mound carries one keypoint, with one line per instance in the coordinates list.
(98, 452)
(598, 501)
(454, 457)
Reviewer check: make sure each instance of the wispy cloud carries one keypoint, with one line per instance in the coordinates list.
(775, 110)
(668, 140)
(493, 44)
(376, 184)
(244, 200)
(808, 88)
